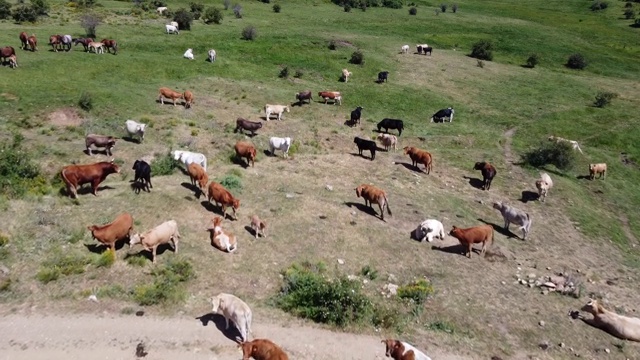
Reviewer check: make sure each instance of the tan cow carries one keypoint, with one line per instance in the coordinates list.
(600, 169)
(620, 326)
(165, 233)
(371, 195)
(544, 184)
(234, 309)
(258, 226)
(166, 93)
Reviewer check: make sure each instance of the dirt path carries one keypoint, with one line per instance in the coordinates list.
(35, 337)
(508, 155)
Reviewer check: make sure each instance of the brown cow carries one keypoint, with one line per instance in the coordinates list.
(419, 156)
(223, 197)
(100, 141)
(262, 349)
(56, 42)
(188, 99)
(372, 194)
(198, 175)
(77, 175)
(111, 233)
(468, 237)
(246, 150)
(333, 95)
(166, 93)
(33, 42)
(488, 173)
(401, 350)
(24, 40)
(258, 226)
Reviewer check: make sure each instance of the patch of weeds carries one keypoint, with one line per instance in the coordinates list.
(136, 260)
(298, 74)
(163, 165)
(235, 172)
(115, 291)
(417, 291)
(369, 272)
(533, 60)
(86, 101)
(106, 259)
(560, 154)
(388, 317)
(482, 50)
(167, 287)
(5, 284)
(357, 58)
(75, 235)
(127, 310)
(194, 132)
(443, 326)
(62, 264)
(284, 73)
(4, 240)
(603, 98)
(231, 182)
(576, 61)
(249, 33)
(19, 173)
(294, 148)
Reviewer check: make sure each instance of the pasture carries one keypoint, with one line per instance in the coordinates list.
(589, 230)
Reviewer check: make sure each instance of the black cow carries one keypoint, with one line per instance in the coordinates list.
(427, 49)
(488, 173)
(364, 144)
(355, 115)
(382, 76)
(243, 124)
(442, 115)
(143, 175)
(387, 124)
(304, 95)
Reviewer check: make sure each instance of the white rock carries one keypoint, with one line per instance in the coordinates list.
(340, 261)
(503, 282)
(532, 276)
(289, 196)
(541, 323)
(329, 187)
(549, 284)
(93, 298)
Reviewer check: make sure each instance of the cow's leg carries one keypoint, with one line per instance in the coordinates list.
(381, 211)
(234, 213)
(469, 249)
(227, 323)
(94, 187)
(484, 248)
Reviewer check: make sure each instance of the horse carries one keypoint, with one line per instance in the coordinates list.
(110, 44)
(84, 41)
(6, 52)
(97, 47)
(24, 40)
(66, 41)
(55, 41)
(33, 42)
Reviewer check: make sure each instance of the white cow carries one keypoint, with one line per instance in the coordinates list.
(345, 74)
(405, 49)
(188, 157)
(161, 9)
(188, 54)
(513, 215)
(281, 144)
(174, 23)
(171, 29)
(231, 307)
(212, 55)
(165, 233)
(573, 143)
(544, 184)
(429, 229)
(135, 128)
(275, 109)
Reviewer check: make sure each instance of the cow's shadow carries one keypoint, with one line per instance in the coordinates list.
(363, 208)
(218, 320)
(475, 182)
(98, 248)
(362, 156)
(85, 190)
(217, 209)
(170, 103)
(250, 230)
(529, 196)
(194, 188)
(410, 167)
(96, 151)
(500, 229)
(131, 139)
(138, 186)
(583, 177)
(240, 161)
(457, 249)
(148, 254)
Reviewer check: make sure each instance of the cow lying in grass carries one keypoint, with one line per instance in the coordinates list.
(221, 239)
(620, 326)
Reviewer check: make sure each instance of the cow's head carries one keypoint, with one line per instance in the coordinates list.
(454, 230)
(479, 165)
(287, 141)
(286, 108)
(391, 346)
(248, 349)
(593, 306)
(407, 149)
(113, 167)
(498, 205)
(216, 302)
(135, 165)
(236, 204)
(359, 191)
(177, 154)
(141, 127)
(135, 239)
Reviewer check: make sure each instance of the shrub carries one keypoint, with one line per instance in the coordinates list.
(183, 18)
(106, 259)
(480, 64)
(603, 98)
(417, 291)
(163, 165)
(369, 272)
(332, 45)
(5, 9)
(347, 8)
(284, 73)
(392, 4)
(166, 287)
(4, 240)
(560, 154)
(196, 10)
(482, 50)
(298, 74)
(443, 7)
(454, 8)
(533, 60)
(628, 5)
(629, 14)
(387, 317)
(231, 182)
(86, 101)
(41, 7)
(266, 1)
(306, 293)
(136, 260)
(363, 6)
(413, 11)
(19, 174)
(158, 3)
(576, 61)
(276, 8)
(357, 58)
(636, 23)
(213, 15)
(89, 23)
(237, 11)
(24, 13)
(249, 33)
(599, 5)
(67, 263)
(226, 4)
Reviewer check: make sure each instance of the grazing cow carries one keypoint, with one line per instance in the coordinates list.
(78, 175)
(427, 49)
(135, 129)
(388, 140)
(421, 47)
(275, 109)
(356, 115)
(387, 124)
(336, 96)
(600, 169)
(188, 157)
(246, 150)
(404, 49)
(488, 173)
(165, 233)
(113, 232)
(223, 198)
(142, 175)
(544, 184)
(258, 226)
(170, 29)
(198, 175)
(262, 349)
(110, 44)
(166, 93)
(84, 41)
(97, 47)
(188, 54)
(24, 40)
(573, 143)
(419, 156)
(6, 52)
(175, 24)
(13, 61)
(212, 55)
(383, 76)
(33, 42)
(243, 124)
(188, 99)
(100, 141)
(345, 75)
(516, 216)
(371, 195)
(304, 95)
(234, 309)
(620, 326)
(161, 9)
(281, 144)
(222, 240)
(364, 144)
(429, 229)
(442, 115)
(474, 235)
(400, 350)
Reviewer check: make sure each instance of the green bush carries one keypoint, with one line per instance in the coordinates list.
(4, 240)
(166, 287)
(249, 33)
(347, 8)
(599, 5)
(106, 259)
(533, 60)
(163, 165)
(576, 61)
(231, 182)
(159, 3)
(24, 13)
(560, 154)
(86, 101)
(332, 45)
(369, 272)
(393, 4)
(629, 14)
(41, 7)
(5, 9)
(276, 8)
(196, 10)
(357, 58)
(298, 74)
(237, 11)
(417, 291)
(266, 1)
(482, 50)
(454, 8)
(603, 98)
(19, 174)
(136, 260)
(183, 18)
(213, 15)
(226, 4)
(62, 263)
(628, 5)
(413, 11)
(284, 73)
(443, 7)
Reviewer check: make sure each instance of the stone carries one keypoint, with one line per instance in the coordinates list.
(289, 196)
(541, 323)
(544, 345)
(340, 261)
(545, 292)
(93, 298)
(549, 284)
(393, 288)
(532, 276)
(503, 282)
(329, 187)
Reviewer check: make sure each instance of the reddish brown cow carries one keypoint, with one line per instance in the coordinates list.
(246, 150)
(371, 195)
(488, 173)
(262, 349)
(333, 95)
(33, 42)
(478, 234)
(111, 233)
(24, 40)
(6, 52)
(419, 156)
(223, 197)
(77, 175)
(166, 93)
(110, 44)
(188, 99)
(198, 175)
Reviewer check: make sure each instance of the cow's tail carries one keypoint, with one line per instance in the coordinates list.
(529, 221)
(64, 177)
(247, 321)
(491, 238)
(387, 202)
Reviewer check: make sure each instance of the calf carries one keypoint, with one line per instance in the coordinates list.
(387, 124)
(281, 144)
(188, 99)
(100, 141)
(429, 229)
(262, 349)
(198, 175)
(275, 109)
(419, 156)
(188, 157)
(135, 129)
(304, 95)
(117, 230)
(544, 184)
(404, 49)
(488, 173)
(600, 169)
(356, 115)
(188, 54)
(143, 174)
(166, 93)
(400, 350)
(371, 195)
(172, 29)
(77, 175)
(165, 233)
(212, 55)
(345, 75)
(388, 140)
(222, 240)
(246, 150)
(513, 215)
(13, 61)
(574, 144)
(258, 225)
(243, 124)
(420, 47)
(383, 76)
(474, 235)
(442, 115)
(364, 144)
(234, 309)
(336, 96)
(223, 198)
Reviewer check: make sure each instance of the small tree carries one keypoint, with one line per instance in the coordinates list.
(226, 4)
(357, 58)
(196, 10)
(603, 98)
(24, 13)
(599, 5)
(533, 60)
(5, 9)
(276, 8)
(413, 10)
(576, 61)
(86, 101)
(443, 7)
(41, 7)
(284, 73)
(629, 14)
(213, 15)
(183, 18)
(347, 7)
(237, 11)
(89, 23)
(249, 33)
(482, 50)
(628, 5)
(560, 154)
(454, 8)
